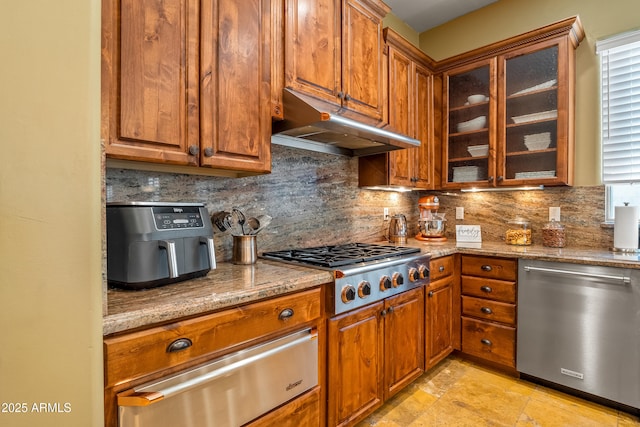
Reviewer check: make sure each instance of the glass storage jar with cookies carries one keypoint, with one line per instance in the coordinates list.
(518, 233)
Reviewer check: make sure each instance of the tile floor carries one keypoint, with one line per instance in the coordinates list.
(459, 393)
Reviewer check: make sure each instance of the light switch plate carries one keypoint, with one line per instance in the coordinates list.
(459, 212)
(554, 214)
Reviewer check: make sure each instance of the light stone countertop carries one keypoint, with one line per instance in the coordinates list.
(227, 286)
(232, 285)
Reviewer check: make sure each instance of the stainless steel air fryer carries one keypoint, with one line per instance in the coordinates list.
(153, 244)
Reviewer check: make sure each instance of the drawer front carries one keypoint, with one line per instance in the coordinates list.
(489, 310)
(489, 341)
(486, 288)
(140, 353)
(493, 268)
(302, 411)
(441, 267)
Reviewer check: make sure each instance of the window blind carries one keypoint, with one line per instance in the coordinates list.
(620, 86)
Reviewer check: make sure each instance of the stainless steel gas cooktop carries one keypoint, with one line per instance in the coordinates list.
(363, 272)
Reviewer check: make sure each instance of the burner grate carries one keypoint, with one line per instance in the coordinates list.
(341, 255)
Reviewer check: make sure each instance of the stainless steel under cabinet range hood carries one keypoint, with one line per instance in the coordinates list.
(315, 125)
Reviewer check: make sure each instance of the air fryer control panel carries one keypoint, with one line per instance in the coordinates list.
(173, 217)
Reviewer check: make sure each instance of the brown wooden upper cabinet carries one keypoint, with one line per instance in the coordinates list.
(508, 110)
(333, 50)
(187, 82)
(410, 97)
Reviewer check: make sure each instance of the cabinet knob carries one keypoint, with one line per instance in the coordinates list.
(347, 97)
(430, 294)
(441, 268)
(486, 267)
(486, 289)
(490, 179)
(486, 310)
(500, 178)
(390, 310)
(341, 95)
(485, 341)
(208, 152)
(193, 150)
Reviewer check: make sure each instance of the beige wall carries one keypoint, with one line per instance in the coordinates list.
(50, 213)
(402, 28)
(507, 18)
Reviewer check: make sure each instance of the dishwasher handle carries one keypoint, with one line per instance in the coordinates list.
(624, 279)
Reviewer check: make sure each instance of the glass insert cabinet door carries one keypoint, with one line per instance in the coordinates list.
(533, 140)
(468, 128)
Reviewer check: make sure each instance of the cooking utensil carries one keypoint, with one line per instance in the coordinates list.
(253, 224)
(263, 221)
(222, 220)
(240, 218)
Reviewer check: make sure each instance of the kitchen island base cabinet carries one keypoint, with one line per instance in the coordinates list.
(373, 353)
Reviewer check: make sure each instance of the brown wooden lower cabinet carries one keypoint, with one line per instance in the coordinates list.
(490, 341)
(441, 309)
(135, 358)
(489, 309)
(302, 411)
(373, 353)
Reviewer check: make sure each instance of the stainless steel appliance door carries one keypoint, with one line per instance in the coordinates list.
(579, 326)
(229, 391)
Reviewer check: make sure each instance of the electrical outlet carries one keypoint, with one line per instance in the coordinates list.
(459, 212)
(554, 214)
(386, 213)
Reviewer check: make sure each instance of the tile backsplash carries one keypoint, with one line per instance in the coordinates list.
(314, 199)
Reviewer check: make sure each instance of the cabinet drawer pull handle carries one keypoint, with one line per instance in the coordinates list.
(441, 268)
(179, 344)
(486, 267)
(286, 314)
(486, 310)
(486, 289)
(485, 341)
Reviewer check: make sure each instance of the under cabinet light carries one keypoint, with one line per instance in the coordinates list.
(384, 188)
(525, 188)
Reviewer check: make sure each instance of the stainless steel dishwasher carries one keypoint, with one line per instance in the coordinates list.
(579, 326)
(229, 391)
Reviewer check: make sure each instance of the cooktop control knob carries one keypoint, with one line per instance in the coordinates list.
(398, 280)
(414, 275)
(348, 294)
(385, 283)
(364, 289)
(424, 271)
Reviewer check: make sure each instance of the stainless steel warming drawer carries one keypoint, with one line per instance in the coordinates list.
(229, 391)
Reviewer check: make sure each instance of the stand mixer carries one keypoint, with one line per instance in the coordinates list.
(431, 223)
